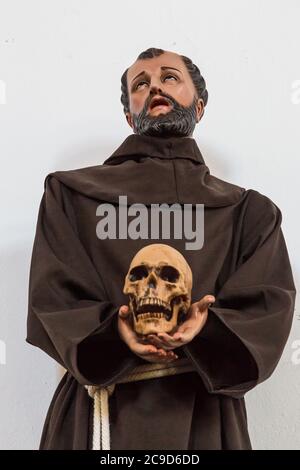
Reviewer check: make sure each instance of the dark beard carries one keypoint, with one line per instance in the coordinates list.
(180, 121)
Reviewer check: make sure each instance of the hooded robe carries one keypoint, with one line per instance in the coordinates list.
(75, 291)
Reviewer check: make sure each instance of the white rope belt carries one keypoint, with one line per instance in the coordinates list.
(101, 431)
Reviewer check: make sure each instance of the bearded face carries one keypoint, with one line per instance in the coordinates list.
(180, 121)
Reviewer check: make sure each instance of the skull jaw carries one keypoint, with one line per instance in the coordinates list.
(154, 325)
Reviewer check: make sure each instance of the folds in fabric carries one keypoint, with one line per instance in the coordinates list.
(69, 314)
(248, 325)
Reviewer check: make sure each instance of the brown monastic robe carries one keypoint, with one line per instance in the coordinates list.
(75, 292)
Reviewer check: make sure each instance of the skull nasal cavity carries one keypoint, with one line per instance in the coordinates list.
(152, 281)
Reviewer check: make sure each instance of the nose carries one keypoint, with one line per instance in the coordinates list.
(155, 90)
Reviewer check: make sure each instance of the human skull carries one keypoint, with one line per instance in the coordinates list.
(159, 283)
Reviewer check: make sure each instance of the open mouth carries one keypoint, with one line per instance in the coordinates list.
(152, 308)
(157, 103)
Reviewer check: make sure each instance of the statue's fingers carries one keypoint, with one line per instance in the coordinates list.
(159, 342)
(124, 311)
(170, 342)
(145, 350)
(177, 336)
(205, 302)
(154, 340)
(143, 339)
(166, 338)
(167, 354)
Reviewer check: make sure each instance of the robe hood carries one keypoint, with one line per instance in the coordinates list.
(153, 170)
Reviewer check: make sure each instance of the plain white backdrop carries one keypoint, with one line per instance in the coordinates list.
(60, 67)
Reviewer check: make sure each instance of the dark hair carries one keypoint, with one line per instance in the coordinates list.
(192, 68)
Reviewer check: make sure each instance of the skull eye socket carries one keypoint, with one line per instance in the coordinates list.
(138, 273)
(169, 274)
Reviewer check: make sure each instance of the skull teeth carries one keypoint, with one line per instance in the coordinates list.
(150, 315)
(152, 301)
(152, 307)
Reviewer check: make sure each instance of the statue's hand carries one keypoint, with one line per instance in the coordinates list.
(195, 320)
(138, 344)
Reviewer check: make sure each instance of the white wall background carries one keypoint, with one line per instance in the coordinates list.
(60, 67)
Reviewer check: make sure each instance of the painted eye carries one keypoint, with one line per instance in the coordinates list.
(140, 83)
(143, 81)
(173, 76)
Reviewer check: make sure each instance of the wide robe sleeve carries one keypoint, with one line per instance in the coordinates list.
(69, 314)
(249, 323)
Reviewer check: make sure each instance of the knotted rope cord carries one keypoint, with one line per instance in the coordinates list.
(100, 395)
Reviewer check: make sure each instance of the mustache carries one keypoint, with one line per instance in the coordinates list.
(162, 95)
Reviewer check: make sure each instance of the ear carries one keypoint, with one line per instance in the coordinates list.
(129, 119)
(200, 109)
